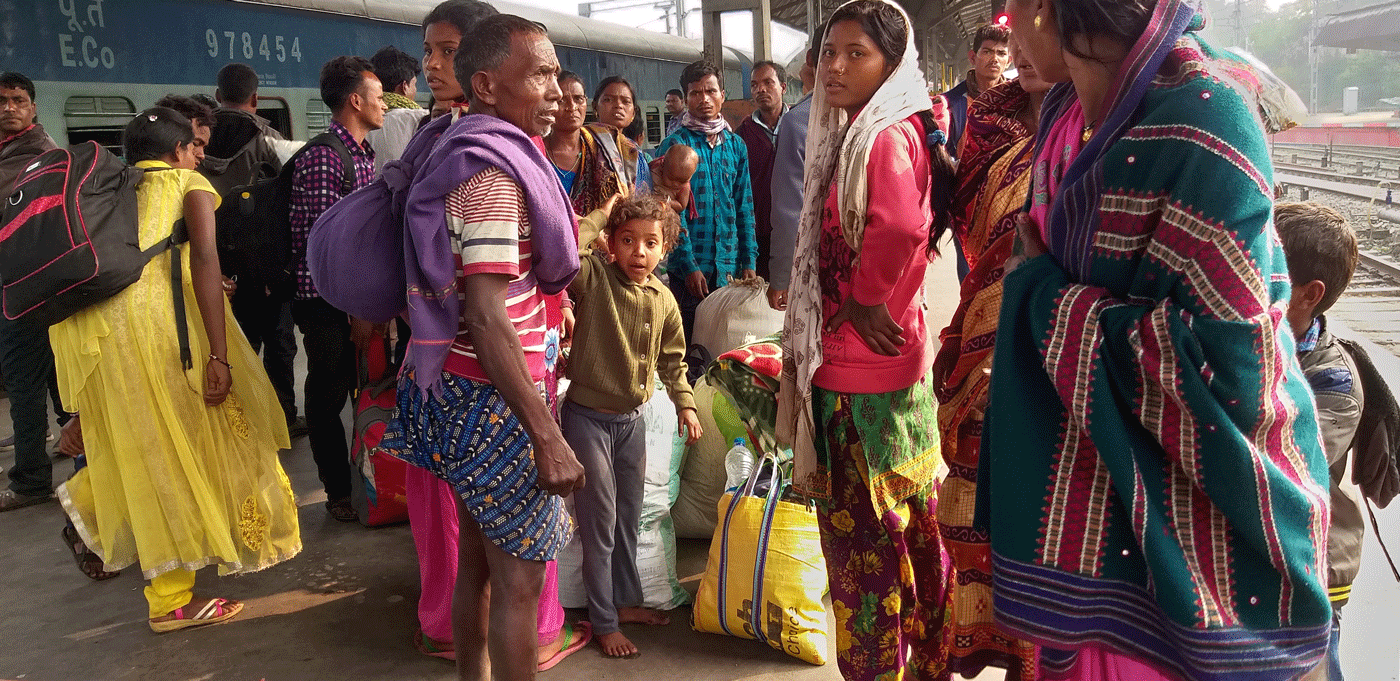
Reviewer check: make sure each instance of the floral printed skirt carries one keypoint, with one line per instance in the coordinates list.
(891, 579)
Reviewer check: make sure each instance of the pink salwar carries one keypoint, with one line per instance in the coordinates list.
(432, 513)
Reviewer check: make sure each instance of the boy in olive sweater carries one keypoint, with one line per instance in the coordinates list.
(628, 328)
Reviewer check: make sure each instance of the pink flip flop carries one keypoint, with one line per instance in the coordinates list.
(430, 648)
(576, 636)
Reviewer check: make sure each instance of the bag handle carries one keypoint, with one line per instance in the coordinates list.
(1377, 527)
(179, 233)
(770, 507)
(738, 493)
(721, 584)
(754, 476)
(347, 162)
(760, 568)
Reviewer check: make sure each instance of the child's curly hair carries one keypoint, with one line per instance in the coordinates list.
(647, 206)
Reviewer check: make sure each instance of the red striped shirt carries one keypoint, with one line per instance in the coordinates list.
(490, 228)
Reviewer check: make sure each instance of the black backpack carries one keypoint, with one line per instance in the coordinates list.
(70, 238)
(1375, 465)
(253, 225)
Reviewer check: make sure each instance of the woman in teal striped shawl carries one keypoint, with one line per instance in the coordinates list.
(1166, 517)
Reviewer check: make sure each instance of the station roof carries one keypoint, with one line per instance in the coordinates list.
(1370, 28)
(947, 22)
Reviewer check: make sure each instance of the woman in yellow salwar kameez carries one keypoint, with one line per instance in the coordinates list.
(182, 469)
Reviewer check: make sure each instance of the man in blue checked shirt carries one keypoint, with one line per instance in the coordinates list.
(719, 239)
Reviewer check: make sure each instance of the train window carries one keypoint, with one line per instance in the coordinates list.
(318, 117)
(277, 113)
(97, 119)
(655, 129)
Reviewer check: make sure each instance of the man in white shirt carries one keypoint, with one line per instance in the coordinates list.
(398, 71)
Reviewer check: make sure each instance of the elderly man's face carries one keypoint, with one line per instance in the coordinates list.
(526, 86)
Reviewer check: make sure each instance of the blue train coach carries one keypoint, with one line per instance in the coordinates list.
(97, 62)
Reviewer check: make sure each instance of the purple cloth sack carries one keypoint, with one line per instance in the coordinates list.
(355, 249)
(385, 248)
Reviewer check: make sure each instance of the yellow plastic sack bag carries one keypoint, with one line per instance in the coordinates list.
(766, 574)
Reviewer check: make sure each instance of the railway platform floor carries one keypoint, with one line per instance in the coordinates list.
(346, 608)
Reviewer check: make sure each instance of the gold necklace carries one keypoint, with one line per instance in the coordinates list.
(1087, 133)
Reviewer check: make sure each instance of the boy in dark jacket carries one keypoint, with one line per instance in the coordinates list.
(1321, 250)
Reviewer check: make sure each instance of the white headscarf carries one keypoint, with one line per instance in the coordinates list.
(833, 149)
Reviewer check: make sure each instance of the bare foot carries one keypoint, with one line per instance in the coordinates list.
(642, 616)
(617, 645)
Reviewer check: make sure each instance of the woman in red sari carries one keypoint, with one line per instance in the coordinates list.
(992, 183)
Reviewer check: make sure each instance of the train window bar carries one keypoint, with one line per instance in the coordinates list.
(278, 113)
(97, 118)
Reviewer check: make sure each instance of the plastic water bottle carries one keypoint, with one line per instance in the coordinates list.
(738, 463)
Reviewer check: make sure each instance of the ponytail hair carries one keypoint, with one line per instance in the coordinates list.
(942, 171)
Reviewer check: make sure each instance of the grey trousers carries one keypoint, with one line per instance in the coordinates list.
(612, 449)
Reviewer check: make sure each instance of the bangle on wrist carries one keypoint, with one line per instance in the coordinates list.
(216, 358)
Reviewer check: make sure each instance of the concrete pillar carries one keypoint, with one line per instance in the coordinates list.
(762, 26)
(763, 31)
(714, 35)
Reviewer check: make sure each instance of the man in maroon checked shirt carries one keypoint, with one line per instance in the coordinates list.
(356, 99)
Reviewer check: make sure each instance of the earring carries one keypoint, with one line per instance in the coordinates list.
(1037, 22)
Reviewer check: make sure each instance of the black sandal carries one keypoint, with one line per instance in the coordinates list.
(89, 563)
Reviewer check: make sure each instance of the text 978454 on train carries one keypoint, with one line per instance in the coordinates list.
(97, 62)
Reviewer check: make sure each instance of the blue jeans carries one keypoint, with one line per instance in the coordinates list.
(1334, 652)
(27, 364)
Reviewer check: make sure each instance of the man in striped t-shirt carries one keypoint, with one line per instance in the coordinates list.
(490, 227)
(479, 422)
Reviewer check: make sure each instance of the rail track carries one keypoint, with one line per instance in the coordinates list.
(1371, 305)
(1362, 164)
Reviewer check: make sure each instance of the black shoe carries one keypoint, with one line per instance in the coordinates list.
(341, 510)
(11, 500)
(297, 428)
